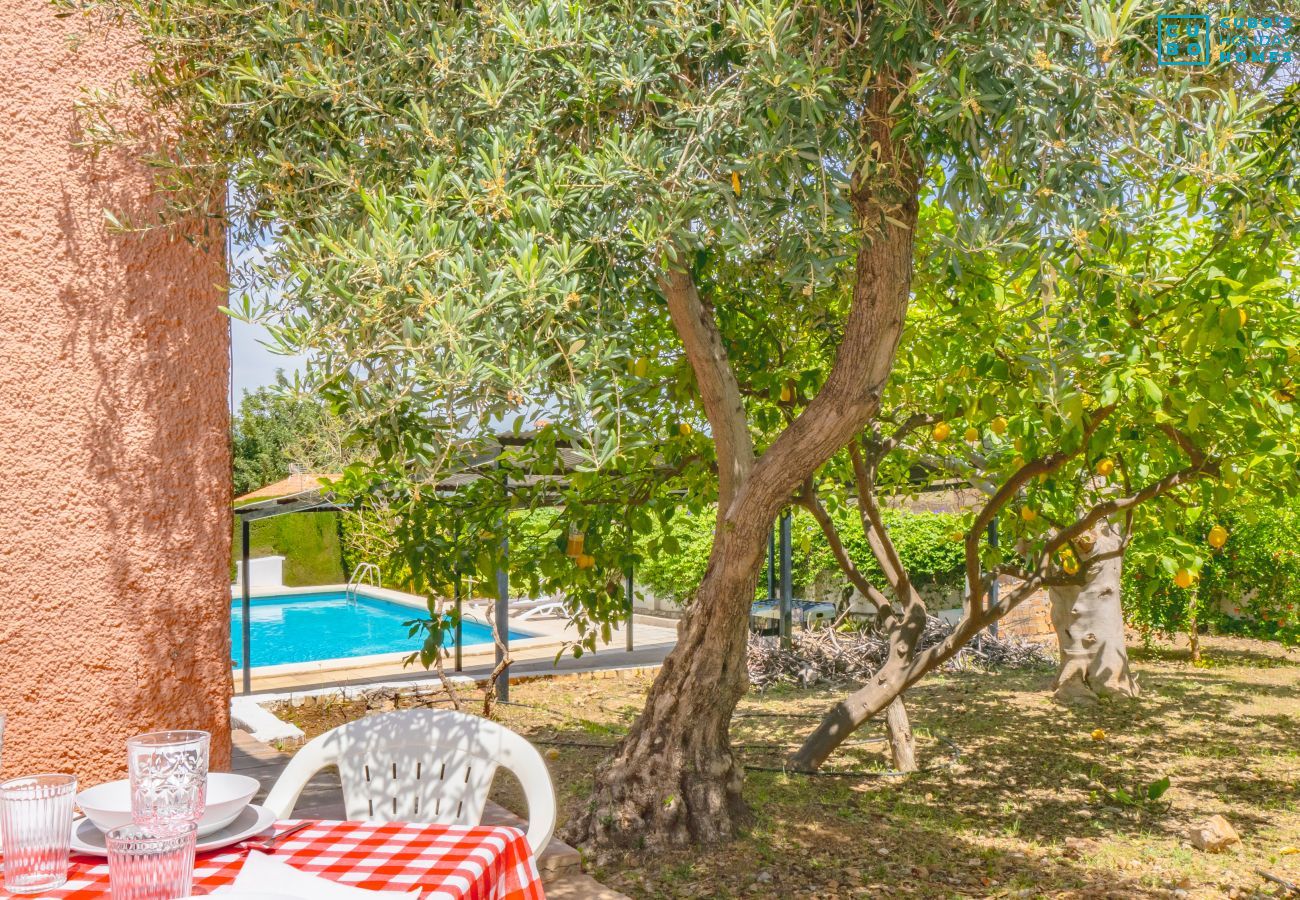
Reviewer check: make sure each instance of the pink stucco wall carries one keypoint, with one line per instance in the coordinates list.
(114, 460)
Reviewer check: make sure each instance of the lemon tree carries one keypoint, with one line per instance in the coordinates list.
(1122, 392)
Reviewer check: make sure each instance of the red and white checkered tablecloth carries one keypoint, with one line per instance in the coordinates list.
(447, 862)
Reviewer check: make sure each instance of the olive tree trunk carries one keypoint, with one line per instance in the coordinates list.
(1089, 623)
(674, 779)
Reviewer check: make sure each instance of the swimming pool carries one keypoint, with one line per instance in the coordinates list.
(300, 628)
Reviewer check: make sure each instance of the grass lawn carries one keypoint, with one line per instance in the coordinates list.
(1018, 800)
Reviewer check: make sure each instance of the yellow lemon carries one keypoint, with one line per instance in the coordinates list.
(1242, 317)
(641, 368)
(552, 754)
(586, 561)
(1019, 444)
(735, 183)
(956, 536)
(941, 431)
(1183, 578)
(1098, 734)
(972, 435)
(1105, 467)
(1069, 564)
(999, 425)
(1217, 537)
(684, 428)
(787, 393)
(1028, 513)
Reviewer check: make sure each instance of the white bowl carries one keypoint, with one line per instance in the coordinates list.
(108, 805)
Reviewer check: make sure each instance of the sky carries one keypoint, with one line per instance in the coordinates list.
(254, 364)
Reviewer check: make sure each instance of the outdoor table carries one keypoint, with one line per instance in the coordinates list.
(448, 862)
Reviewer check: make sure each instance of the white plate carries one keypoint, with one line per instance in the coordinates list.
(251, 821)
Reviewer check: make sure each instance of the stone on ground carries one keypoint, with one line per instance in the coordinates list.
(1213, 835)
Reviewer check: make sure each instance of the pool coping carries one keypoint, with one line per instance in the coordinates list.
(410, 601)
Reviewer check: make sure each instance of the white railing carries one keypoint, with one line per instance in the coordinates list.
(366, 570)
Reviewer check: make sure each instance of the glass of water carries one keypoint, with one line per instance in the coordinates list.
(151, 862)
(36, 820)
(169, 777)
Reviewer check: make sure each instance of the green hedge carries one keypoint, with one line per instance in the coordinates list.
(922, 538)
(309, 542)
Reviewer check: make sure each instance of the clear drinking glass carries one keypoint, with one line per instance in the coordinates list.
(169, 777)
(151, 862)
(36, 819)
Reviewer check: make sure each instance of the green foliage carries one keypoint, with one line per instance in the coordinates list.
(278, 429)
(1140, 798)
(309, 542)
(675, 556)
(1250, 586)
(473, 207)
(924, 542)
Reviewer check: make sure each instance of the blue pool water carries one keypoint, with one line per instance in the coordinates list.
(293, 628)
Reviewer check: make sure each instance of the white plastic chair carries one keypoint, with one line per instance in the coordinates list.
(421, 765)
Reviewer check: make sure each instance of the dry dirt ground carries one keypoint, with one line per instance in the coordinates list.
(1018, 799)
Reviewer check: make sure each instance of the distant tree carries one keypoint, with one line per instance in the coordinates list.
(279, 430)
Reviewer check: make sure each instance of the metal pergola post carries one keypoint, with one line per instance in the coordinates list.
(503, 614)
(456, 595)
(771, 565)
(787, 581)
(247, 625)
(629, 599)
(993, 585)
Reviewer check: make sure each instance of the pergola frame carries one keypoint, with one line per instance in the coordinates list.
(320, 500)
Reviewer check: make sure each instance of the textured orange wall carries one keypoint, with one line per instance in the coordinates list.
(114, 461)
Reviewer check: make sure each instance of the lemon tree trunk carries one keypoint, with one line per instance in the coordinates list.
(1089, 623)
(902, 744)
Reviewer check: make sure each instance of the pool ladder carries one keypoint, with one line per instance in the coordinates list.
(359, 575)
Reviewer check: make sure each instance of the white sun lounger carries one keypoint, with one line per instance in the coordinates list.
(523, 610)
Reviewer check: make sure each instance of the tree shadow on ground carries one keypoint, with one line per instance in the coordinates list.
(1017, 797)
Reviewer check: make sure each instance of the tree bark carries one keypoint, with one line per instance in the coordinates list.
(1089, 623)
(902, 744)
(674, 779)
(907, 664)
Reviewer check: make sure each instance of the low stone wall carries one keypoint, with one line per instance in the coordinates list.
(1030, 620)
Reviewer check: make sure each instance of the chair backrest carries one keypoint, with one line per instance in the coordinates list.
(421, 765)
